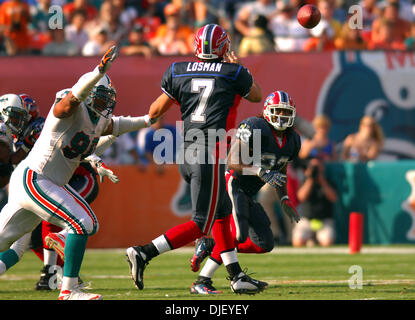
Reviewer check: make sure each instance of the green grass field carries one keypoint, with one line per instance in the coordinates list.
(305, 274)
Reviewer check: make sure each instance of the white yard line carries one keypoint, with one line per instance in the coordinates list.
(312, 250)
(7, 277)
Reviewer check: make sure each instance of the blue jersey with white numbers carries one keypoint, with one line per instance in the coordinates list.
(275, 152)
(205, 91)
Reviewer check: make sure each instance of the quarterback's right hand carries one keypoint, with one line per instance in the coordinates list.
(107, 59)
(272, 177)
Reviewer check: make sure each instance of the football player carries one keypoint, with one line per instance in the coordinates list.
(22, 138)
(38, 188)
(206, 91)
(251, 230)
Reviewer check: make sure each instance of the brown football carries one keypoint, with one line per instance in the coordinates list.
(308, 16)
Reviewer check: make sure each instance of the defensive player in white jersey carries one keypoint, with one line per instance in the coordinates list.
(38, 186)
(20, 127)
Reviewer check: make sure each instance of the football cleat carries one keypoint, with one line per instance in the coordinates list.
(45, 276)
(203, 249)
(203, 286)
(137, 265)
(56, 241)
(244, 284)
(77, 294)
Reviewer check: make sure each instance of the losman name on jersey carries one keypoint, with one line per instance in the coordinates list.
(204, 66)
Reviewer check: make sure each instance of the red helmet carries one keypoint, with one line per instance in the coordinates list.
(30, 105)
(276, 101)
(211, 42)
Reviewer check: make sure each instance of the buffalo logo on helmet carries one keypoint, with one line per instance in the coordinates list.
(30, 105)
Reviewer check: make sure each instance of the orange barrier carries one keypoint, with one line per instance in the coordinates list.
(138, 208)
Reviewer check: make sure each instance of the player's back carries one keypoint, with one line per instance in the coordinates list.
(206, 91)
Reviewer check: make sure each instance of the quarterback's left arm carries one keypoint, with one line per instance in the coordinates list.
(286, 205)
(160, 106)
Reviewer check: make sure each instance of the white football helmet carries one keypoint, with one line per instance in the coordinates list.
(102, 99)
(13, 113)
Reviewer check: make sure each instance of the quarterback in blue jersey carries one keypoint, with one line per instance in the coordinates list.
(206, 91)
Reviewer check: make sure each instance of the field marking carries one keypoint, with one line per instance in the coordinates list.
(364, 282)
(291, 250)
(7, 277)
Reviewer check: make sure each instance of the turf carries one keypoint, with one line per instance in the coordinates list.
(291, 274)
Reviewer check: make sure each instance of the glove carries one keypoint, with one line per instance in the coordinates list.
(289, 209)
(107, 59)
(102, 169)
(272, 177)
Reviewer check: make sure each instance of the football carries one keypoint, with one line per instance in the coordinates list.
(308, 16)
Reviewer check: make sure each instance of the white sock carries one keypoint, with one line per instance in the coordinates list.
(69, 283)
(229, 257)
(50, 257)
(64, 233)
(161, 244)
(209, 268)
(2, 267)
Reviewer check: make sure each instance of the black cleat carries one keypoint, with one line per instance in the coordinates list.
(137, 265)
(203, 286)
(44, 282)
(244, 284)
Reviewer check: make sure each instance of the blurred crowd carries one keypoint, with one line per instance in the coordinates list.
(161, 27)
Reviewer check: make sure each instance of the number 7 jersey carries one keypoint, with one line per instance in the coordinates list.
(63, 143)
(206, 91)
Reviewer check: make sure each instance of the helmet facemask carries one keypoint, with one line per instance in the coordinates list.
(102, 101)
(15, 119)
(280, 116)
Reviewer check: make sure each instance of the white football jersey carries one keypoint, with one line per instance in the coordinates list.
(63, 143)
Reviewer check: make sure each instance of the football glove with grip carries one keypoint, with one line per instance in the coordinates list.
(289, 209)
(272, 177)
(102, 170)
(107, 59)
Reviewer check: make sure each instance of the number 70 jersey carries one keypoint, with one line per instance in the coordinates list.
(63, 143)
(206, 91)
